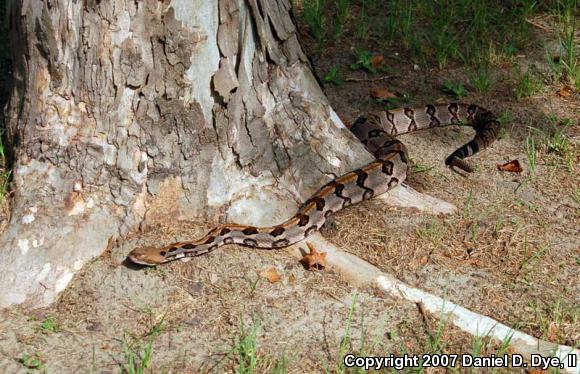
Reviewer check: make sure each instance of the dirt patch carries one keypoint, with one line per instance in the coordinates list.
(201, 308)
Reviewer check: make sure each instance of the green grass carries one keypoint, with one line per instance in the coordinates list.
(445, 40)
(435, 342)
(483, 345)
(527, 83)
(246, 349)
(480, 79)
(558, 141)
(245, 356)
(480, 34)
(554, 318)
(469, 202)
(506, 118)
(556, 69)
(252, 285)
(334, 76)
(461, 30)
(345, 342)
(531, 258)
(498, 225)
(526, 204)
(364, 61)
(418, 167)
(138, 357)
(342, 16)
(554, 139)
(281, 365)
(314, 17)
(32, 362)
(576, 195)
(432, 231)
(398, 101)
(458, 30)
(455, 89)
(49, 325)
(138, 350)
(531, 153)
(363, 26)
(569, 47)
(4, 184)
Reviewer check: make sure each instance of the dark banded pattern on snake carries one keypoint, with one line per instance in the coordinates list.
(376, 132)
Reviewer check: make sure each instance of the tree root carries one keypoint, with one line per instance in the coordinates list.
(406, 197)
(360, 273)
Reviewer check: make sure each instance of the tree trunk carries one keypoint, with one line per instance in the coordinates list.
(124, 113)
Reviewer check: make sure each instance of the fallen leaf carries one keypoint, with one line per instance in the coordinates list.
(552, 331)
(376, 60)
(314, 260)
(565, 91)
(271, 275)
(292, 279)
(381, 93)
(512, 167)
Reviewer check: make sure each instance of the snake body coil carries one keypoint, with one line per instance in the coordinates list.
(377, 132)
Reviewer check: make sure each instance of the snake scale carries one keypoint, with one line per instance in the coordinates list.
(389, 168)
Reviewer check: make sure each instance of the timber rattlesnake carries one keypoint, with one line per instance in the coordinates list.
(389, 168)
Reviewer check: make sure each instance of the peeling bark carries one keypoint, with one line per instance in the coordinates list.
(126, 113)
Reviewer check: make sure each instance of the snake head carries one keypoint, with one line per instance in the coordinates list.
(148, 256)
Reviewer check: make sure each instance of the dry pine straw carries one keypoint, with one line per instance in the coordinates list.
(487, 269)
(512, 250)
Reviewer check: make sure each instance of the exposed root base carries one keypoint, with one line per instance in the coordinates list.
(359, 273)
(41, 252)
(406, 197)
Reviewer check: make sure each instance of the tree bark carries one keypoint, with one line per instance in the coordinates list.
(125, 113)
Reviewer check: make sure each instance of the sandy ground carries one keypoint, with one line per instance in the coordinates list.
(512, 252)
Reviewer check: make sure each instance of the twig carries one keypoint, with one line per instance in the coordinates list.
(426, 319)
(352, 79)
(542, 27)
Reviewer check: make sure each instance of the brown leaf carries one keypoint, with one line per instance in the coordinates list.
(314, 260)
(271, 275)
(381, 93)
(565, 91)
(376, 60)
(512, 167)
(292, 279)
(552, 331)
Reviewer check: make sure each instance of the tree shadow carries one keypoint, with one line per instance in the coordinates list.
(133, 266)
(6, 77)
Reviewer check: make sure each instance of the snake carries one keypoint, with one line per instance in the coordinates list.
(377, 132)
